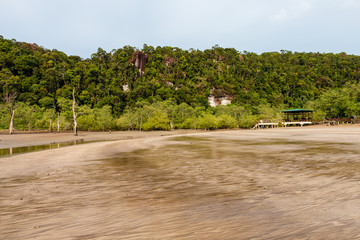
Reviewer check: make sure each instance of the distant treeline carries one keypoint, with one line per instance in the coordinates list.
(169, 87)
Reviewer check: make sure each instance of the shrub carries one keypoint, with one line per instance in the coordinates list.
(248, 121)
(158, 121)
(226, 121)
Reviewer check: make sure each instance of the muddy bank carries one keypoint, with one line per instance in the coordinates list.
(26, 139)
(269, 184)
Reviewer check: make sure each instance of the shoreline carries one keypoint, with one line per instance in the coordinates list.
(104, 145)
(26, 139)
(34, 139)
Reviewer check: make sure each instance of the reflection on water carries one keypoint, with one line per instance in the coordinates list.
(194, 188)
(4, 152)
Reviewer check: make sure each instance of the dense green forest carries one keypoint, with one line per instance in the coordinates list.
(167, 87)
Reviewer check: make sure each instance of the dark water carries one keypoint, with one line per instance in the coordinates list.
(194, 188)
(5, 152)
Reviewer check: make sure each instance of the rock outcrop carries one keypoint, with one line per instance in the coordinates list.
(169, 61)
(139, 59)
(213, 102)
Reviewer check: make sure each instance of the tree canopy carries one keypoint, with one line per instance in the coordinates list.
(172, 85)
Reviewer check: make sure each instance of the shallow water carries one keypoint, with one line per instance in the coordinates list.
(6, 152)
(194, 188)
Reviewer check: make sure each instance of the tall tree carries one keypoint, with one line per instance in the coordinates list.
(74, 113)
(9, 81)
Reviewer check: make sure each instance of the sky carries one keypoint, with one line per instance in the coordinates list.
(80, 27)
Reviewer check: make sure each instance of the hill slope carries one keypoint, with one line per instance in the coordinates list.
(126, 76)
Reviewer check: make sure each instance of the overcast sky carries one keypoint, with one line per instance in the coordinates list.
(80, 27)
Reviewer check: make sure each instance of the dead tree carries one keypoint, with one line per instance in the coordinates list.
(74, 113)
(50, 122)
(58, 122)
(50, 128)
(11, 127)
(8, 80)
(10, 100)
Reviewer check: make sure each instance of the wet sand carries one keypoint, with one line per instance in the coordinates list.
(285, 183)
(24, 139)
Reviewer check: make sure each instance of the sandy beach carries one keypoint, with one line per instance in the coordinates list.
(283, 183)
(101, 145)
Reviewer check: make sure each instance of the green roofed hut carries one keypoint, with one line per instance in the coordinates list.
(297, 116)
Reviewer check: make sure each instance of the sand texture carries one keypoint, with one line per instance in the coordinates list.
(284, 183)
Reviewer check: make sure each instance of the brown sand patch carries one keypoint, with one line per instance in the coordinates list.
(294, 183)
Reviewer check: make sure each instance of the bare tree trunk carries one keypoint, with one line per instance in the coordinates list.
(140, 124)
(171, 125)
(10, 99)
(74, 114)
(11, 127)
(58, 123)
(50, 129)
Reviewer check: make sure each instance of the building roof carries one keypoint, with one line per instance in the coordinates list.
(297, 110)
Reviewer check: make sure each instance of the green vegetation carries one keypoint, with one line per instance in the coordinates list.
(173, 89)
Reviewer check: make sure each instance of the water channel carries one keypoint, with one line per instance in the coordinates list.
(5, 152)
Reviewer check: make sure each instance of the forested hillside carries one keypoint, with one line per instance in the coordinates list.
(167, 87)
